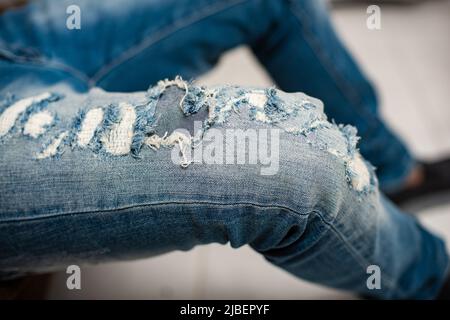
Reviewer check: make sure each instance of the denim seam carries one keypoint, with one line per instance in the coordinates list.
(163, 33)
(12, 220)
(58, 66)
(348, 92)
(68, 69)
(360, 258)
(133, 51)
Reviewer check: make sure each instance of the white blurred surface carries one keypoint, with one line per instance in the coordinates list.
(408, 59)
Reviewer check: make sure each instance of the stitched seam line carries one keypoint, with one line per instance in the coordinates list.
(154, 205)
(146, 42)
(43, 61)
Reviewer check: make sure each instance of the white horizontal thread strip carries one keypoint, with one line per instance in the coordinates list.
(37, 123)
(10, 115)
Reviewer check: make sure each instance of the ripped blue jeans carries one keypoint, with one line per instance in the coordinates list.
(145, 41)
(88, 175)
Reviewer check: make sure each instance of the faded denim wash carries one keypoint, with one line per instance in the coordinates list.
(293, 39)
(86, 174)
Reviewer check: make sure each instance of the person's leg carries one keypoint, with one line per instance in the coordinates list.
(137, 40)
(104, 184)
(71, 191)
(143, 42)
(303, 53)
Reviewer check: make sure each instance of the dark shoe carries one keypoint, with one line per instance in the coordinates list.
(30, 287)
(436, 180)
(444, 294)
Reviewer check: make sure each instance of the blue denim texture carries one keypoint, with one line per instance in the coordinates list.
(84, 205)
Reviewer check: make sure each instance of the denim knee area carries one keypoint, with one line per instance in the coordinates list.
(265, 131)
(175, 113)
(103, 176)
(221, 164)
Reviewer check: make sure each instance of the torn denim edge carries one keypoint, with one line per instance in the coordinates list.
(360, 174)
(194, 99)
(350, 134)
(143, 126)
(352, 175)
(349, 158)
(76, 127)
(275, 110)
(117, 141)
(146, 113)
(72, 129)
(227, 99)
(17, 128)
(111, 117)
(59, 150)
(48, 128)
(37, 107)
(176, 138)
(370, 186)
(221, 102)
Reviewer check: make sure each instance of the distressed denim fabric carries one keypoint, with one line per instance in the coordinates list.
(88, 175)
(294, 40)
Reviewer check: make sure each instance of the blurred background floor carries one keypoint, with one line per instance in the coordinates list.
(408, 60)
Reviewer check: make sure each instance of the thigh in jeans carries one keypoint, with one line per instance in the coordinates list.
(153, 171)
(100, 176)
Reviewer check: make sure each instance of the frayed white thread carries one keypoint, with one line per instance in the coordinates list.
(90, 123)
(52, 148)
(10, 115)
(119, 138)
(257, 99)
(178, 82)
(262, 117)
(183, 141)
(155, 141)
(212, 105)
(220, 114)
(361, 178)
(37, 123)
